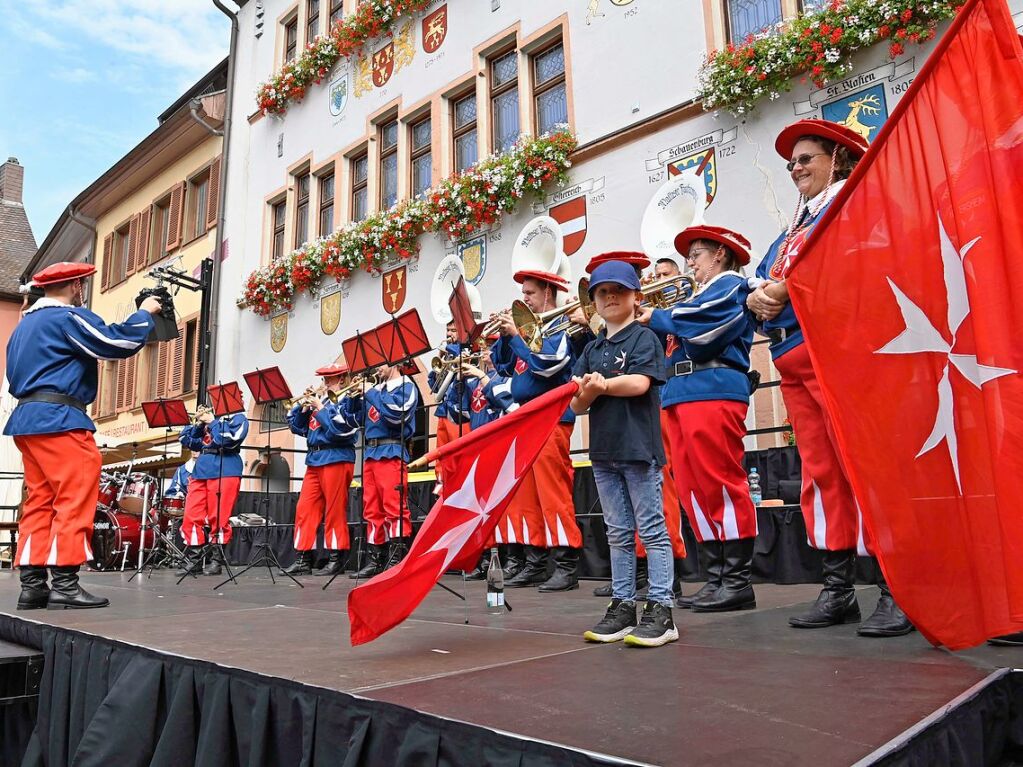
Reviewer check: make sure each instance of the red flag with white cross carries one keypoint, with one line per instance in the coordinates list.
(907, 298)
(481, 472)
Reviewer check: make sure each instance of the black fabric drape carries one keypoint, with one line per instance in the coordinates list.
(782, 553)
(985, 729)
(105, 703)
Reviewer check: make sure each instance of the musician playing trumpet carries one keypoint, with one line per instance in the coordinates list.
(542, 509)
(447, 429)
(330, 430)
(214, 486)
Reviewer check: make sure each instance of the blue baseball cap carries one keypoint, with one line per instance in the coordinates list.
(617, 272)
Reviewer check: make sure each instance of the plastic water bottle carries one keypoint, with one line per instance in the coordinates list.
(754, 487)
(495, 584)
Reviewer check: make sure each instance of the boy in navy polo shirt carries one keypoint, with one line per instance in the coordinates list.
(619, 373)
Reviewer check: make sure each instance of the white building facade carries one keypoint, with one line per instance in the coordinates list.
(462, 79)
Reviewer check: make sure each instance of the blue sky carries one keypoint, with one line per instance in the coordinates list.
(84, 81)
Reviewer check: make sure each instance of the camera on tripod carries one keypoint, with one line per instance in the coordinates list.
(166, 328)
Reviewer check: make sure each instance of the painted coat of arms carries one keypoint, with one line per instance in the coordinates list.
(704, 164)
(435, 29)
(338, 94)
(864, 111)
(393, 288)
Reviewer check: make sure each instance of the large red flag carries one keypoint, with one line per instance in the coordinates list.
(907, 296)
(481, 473)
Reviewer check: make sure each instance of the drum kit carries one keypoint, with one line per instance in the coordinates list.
(132, 518)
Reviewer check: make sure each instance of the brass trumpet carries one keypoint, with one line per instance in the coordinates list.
(368, 380)
(668, 291)
(445, 362)
(305, 398)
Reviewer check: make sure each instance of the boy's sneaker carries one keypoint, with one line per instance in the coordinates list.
(618, 621)
(655, 627)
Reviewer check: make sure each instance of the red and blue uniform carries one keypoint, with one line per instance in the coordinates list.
(388, 412)
(216, 478)
(833, 520)
(705, 399)
(330, 435)
(542, 511)
(55, 349)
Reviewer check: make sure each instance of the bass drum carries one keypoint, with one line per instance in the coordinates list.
(111, 530)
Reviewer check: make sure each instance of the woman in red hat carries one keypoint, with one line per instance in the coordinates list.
(331, 430)
(820, 157)
(52, 367)
(706, 399)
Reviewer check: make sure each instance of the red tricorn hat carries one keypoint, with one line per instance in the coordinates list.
(637, 259)
(738, 244)
(334, 369)
(825, 129)
(65, 271)
(559, 283)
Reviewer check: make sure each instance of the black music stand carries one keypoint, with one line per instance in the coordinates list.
(267, 386)
(166, 413)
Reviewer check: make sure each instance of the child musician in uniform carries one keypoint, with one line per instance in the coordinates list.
(619, 374)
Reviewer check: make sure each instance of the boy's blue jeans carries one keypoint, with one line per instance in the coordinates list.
(630, 496)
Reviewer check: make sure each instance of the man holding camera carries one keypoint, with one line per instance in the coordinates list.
(52, 368)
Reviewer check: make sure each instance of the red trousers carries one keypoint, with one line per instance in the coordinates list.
(62, 479)
(706, 443)
(542, 513)
(833, 520)
(381, 503)
(324, 497)
(447, 432)
(672, 508)
(203, 508)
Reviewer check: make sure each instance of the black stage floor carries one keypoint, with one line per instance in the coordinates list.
(736, 689)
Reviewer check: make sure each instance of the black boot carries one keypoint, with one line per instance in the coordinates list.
(1007, 640)
(736, 590)
(335, 564)
(533, 571)
(479, 573)
(34, 591)
(214, 560)
(714, 560)
(66, 593)
(303, 564)
(642, 580)
(514, 560)
(837, 601)
(372, 564)
(888, 620)
(193, 562)
(566, 562)
(397, 548)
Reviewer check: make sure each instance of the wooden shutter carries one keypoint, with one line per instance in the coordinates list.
(176, 215)
(108, 257)
(144, 238)
(133, 244)
(176, 379)
(196, 354)
(130, 379)
(213, 194)
(162, 363)
(122, 370)
(97, 404)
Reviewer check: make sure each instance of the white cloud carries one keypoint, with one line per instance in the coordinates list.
(185, 35)
(73, 74)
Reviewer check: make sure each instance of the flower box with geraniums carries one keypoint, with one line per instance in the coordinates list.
(817, 46)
